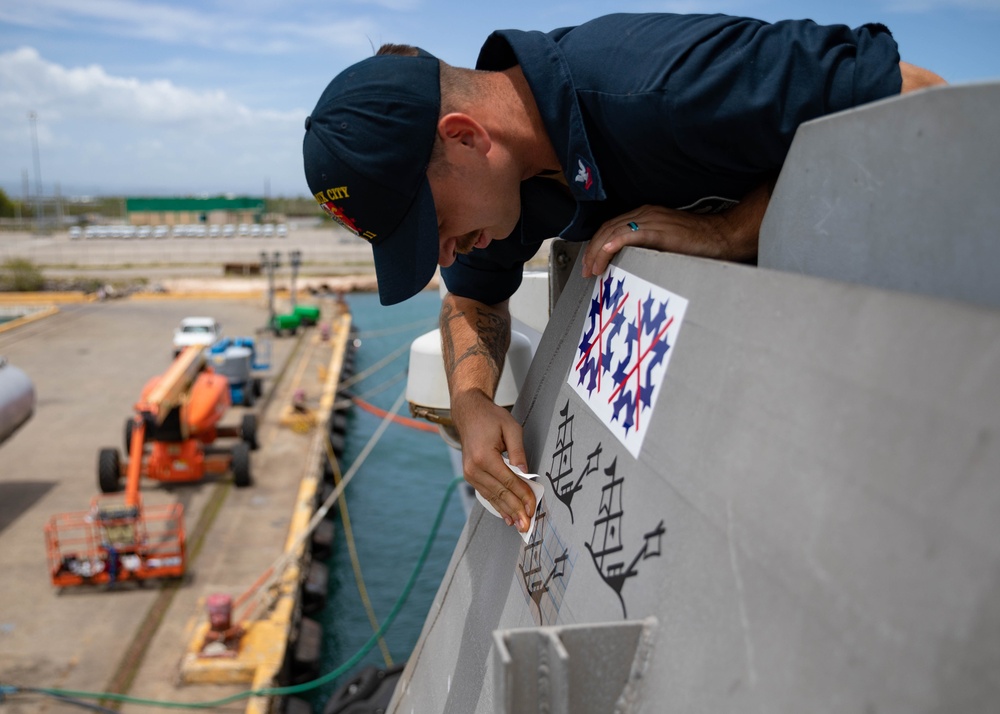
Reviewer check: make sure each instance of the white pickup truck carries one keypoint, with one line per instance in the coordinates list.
(196, 331)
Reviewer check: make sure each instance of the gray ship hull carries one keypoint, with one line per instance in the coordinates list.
(811, 520)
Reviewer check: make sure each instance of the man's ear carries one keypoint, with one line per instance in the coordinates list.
(461, 130)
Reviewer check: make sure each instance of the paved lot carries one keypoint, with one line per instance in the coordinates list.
(327, 252)
(324, 249)
(89, 363)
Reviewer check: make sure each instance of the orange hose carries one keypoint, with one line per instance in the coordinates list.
(405, 421)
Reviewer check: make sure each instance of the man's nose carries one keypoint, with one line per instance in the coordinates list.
(446, 254)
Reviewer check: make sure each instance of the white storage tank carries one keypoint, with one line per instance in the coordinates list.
(17, 398)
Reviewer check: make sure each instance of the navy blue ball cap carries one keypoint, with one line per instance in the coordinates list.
(366, 150)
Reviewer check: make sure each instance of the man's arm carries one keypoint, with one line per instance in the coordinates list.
(730, 235)
(915, 78)
(474, 341)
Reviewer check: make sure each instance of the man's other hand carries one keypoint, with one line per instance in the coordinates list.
(730, 235)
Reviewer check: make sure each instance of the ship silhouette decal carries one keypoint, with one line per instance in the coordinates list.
(606, 546)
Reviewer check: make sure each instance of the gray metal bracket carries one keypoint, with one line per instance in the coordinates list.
(577, 669)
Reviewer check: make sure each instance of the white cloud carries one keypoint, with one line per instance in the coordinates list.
(96, 127)
(29, 81)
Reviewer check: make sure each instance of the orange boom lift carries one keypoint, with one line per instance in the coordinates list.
(169, 438)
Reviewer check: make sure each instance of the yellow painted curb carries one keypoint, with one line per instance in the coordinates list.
(45, 298)
(200, 295)
(29, 318)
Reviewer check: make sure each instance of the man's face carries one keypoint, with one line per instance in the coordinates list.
(474, 207)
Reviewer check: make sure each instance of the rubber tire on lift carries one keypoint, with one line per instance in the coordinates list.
(109, 470)
(240, 465)
(248, 396)
(248, 431)
(257, 385)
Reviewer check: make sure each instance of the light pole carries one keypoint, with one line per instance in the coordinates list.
(32, 118)
(270, 263)
(295, 256)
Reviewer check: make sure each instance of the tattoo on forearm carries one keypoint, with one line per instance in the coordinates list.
(448, 313)
(493, 335)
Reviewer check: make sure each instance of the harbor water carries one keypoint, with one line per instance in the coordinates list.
(392, 500)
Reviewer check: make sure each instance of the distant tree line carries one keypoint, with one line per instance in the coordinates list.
(8, 208)
(113, 207)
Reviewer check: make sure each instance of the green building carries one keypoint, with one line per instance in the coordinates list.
(213, 210)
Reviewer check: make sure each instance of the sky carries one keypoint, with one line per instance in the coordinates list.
(186, 97)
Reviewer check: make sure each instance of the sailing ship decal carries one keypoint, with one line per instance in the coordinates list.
(544, 568)
(606, 545)
(544, 559)
(565, 484)
(623, 353)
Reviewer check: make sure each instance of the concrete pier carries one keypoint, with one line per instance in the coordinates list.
(89, 361)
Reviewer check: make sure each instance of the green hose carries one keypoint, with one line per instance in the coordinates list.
(273, 691)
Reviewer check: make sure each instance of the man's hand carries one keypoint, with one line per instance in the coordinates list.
(474, 341)
(487, 431)
(730, 235)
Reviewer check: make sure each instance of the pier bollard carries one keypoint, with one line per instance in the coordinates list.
(220, 611)
(222, 638)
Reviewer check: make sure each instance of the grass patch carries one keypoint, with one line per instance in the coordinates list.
(20, 275)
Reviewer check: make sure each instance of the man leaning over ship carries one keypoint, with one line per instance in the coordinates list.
(659, 130)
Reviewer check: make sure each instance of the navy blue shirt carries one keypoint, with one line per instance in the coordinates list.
(683, 111)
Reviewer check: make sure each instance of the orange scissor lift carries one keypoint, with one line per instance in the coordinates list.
(119, 538)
